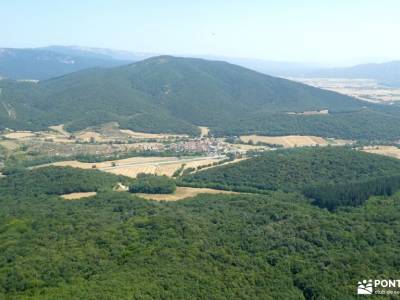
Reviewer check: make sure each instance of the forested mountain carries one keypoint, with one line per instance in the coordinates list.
(246, 246)
(44, 63)
(331, 176)
(174, 94)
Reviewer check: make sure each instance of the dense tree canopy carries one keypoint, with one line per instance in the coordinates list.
(150, 184)
(58, 181)
(332, 176)
(117, 246)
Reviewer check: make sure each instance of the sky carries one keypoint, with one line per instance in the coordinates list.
(336, 32)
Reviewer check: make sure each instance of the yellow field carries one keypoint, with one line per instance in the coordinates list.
(384, 150)
(245, 147)
(167, 167)
(143, 135)
(131, 167)
(17, 135)
(60, 129)
(88, 136)
(204, 131)
(182, 193)
(286, 141)
(9, 145)
(109, 164)
(75, 196)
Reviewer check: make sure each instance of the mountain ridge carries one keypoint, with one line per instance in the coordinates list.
(177, 94)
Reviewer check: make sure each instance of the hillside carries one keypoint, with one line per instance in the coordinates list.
(44, 63)
(116, 245)
(332, 176)
(168, 94)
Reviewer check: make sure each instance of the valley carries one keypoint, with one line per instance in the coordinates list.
(202, 164)
(364, 89)
(204, 150)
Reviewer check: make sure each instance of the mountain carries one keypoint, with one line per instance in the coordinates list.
(43, 63)
(384, 73)
(103, 53)
(173, 94)
(270, 67)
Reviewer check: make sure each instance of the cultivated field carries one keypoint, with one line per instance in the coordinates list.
(88, 136)
(143, 135)
(17, 135)
(60, 129)
(391, 151)
(131, 167)
(9, 145)
(286, 141)
(363, 89)
(182, 193)
(204, 131)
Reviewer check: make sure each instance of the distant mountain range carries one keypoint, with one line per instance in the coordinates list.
(53, 61)
(169, 94)
(101, 53)
(384, 73)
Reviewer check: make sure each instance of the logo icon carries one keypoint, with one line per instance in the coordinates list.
(365, 287)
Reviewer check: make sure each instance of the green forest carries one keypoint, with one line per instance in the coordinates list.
(332, 176)
(151, 184)
(245, 246)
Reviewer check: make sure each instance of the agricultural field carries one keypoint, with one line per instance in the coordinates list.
(133, 166)
(204, 131)
(391, 151)
(363, 89)
(292, 140)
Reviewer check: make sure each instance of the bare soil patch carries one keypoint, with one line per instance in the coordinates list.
(391, 151)
(17, 135)
(75, 196)
(183, 193)
(89, 136)
(60, 129)
(204, 131)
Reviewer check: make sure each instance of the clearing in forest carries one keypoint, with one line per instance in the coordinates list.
(75, 196)
(182, 193)
(391, 151)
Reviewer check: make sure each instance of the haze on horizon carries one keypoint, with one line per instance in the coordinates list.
(314, 31)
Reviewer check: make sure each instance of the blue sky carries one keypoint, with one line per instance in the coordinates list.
(327, 31)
